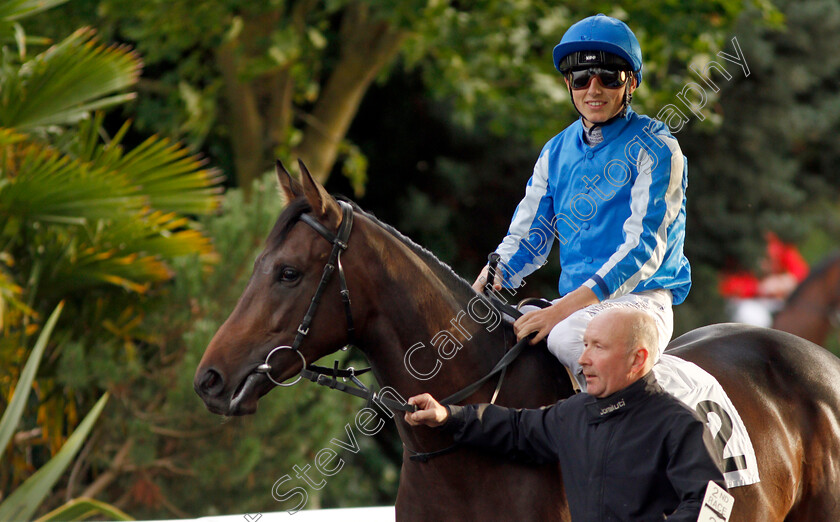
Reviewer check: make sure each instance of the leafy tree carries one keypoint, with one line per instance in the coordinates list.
(253, 81)
(280, 76)
(764, 158)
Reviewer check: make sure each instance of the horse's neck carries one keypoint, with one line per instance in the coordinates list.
(425, 330)
(422, 334)
(807, 320)
(813, 309)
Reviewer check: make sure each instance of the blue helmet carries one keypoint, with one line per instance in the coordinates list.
(601, 33)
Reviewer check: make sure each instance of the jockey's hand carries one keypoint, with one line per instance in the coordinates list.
(429, 411)
(481, 280)
(543, 321)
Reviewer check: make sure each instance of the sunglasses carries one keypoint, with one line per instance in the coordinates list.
(609, 78)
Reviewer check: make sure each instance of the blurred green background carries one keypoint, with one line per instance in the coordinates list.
(136, 144)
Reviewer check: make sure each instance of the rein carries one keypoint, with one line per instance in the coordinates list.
(500, 367)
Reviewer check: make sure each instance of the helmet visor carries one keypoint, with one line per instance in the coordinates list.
(581, 59)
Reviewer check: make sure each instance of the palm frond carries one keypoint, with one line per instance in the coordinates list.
(64, 83)
(38, 183)
(17, 9)
(174, 179)
(132, 254)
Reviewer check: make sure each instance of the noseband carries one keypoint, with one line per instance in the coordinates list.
(339, 243)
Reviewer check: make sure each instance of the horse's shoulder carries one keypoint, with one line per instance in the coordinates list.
(538, 379)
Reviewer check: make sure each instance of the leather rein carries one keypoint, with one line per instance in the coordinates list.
(328, 377)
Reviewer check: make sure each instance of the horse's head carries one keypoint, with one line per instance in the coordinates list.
(285, 278)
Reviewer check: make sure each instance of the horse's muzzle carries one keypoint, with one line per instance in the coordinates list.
(210, 385)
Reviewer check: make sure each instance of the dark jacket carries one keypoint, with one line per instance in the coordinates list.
(636, 455)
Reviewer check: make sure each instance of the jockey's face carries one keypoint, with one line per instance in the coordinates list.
(597, 103)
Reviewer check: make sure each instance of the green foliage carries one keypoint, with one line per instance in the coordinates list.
(24, 501)
(14, 10)
(83, 509)
(11, 416)
(770, 163)
(64, 84)
(83, 220)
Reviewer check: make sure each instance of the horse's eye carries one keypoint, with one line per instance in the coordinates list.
(289, 275)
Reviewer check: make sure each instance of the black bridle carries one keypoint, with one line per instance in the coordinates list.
(329, 376)
(320, 374)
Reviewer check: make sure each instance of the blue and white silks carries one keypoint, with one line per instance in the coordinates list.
(617, 209)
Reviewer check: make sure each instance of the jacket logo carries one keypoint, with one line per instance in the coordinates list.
(612, 407)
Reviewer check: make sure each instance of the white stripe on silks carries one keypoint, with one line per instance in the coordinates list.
(673, 205)
(524, 219)
(633, 226)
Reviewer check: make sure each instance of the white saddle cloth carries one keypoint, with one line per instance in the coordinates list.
(701, 391)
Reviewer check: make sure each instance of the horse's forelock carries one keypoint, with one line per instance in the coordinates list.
(290, 215)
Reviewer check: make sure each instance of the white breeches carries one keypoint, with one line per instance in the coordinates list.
(566, 339)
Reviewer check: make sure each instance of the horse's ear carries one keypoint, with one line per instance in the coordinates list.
(323, 205)
(290, 188)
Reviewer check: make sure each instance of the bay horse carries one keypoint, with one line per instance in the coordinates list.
(407, 315)
(813, 309)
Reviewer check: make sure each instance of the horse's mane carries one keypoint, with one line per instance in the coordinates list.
(440, 269)
(816, 272)
(291, 214)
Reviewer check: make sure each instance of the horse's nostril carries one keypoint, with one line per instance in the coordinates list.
(211, 383)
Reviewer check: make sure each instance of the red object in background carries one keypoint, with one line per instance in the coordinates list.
(782, 258)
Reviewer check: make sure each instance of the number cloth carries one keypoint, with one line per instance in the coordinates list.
(637, 454)
(700, 391)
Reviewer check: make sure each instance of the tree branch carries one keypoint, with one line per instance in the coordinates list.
(242, 115)
(367, 45)
(104, 480)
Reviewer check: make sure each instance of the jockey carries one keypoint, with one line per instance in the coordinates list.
(753, 298)
(611, 189)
